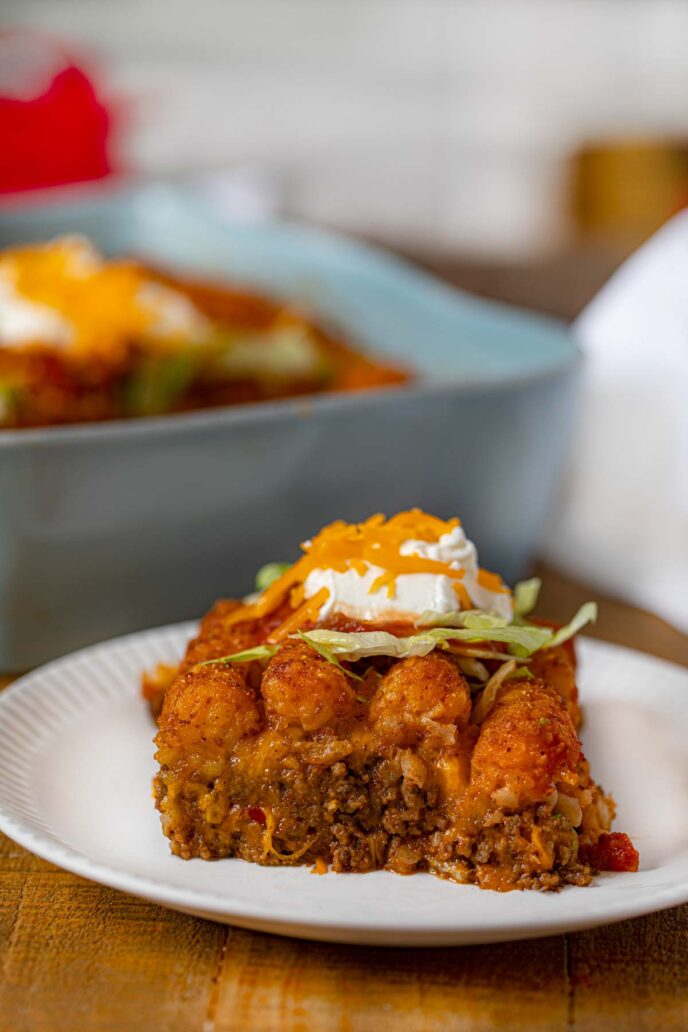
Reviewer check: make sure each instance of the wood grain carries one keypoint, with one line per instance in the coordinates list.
(268, 983)
(77, 956)
(631, 977)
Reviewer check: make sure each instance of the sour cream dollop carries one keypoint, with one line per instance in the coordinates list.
(414, 593)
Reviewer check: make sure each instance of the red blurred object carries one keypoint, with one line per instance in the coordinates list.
(53, 125)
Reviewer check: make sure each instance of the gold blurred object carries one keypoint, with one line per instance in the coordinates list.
(622, 190)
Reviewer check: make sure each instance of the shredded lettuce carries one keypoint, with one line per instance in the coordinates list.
(526, 594)
(269, 573)
(283, 354)
(9, 402)
(585, 615)
(520, 673)
(522, 640)
(327, 654)
(247, 656)
(158, 383)
(362, 644)
(454, 619)
(477, 619)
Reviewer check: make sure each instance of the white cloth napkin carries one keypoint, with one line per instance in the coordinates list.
(621, 522)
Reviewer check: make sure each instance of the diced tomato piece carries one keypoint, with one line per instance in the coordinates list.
(613, 852)
(257, 814)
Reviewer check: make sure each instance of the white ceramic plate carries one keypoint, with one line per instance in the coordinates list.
(76, 764)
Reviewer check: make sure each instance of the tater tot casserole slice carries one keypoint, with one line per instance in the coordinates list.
(384, 702)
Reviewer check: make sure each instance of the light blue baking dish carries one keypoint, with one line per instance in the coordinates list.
(112, 527)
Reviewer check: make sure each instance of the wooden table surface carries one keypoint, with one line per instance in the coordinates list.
(75, 956)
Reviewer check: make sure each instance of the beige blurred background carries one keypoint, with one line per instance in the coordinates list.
(506, 129)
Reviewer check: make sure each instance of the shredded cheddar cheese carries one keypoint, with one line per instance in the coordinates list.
(385, 580)
(306, 612)
(357, 546)
(491, 581)
(107, 305)
(462, 595)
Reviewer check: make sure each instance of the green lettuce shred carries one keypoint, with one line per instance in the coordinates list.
(522, 640)
(9, 402)
(281, 355)
(476, 619)
(362, 644)
(269, 573)
(585, 615)
(247, 656)
(327, 654)
(158, 383)
(526, 594)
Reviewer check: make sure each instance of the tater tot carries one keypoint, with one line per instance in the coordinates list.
(416, 694)
(556, 667)
(207, 709)
(216, 639)
(526, 744)
(302, 689)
